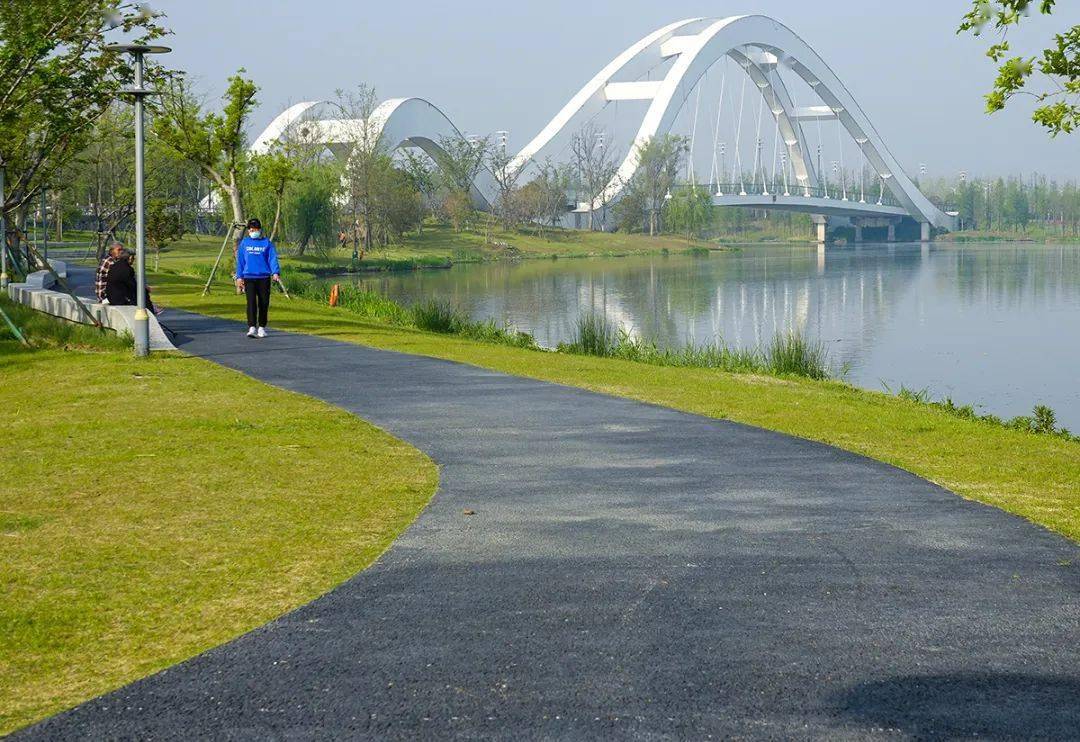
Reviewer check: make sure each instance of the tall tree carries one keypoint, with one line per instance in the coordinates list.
(367, 164)
(691, 211)
(273, 173)
(310, 205)
(544, 197)
(1058, 101)
(57, 77)
(658, 159)
(162, 227)
(506, 176)
(421, 170)
(214, 141)
(594, 166)
(104, 173)
(460, 160)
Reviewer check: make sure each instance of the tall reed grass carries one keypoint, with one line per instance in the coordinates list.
(790, 354)
(432, 316)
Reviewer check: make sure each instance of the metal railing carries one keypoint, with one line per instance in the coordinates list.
(832, 192)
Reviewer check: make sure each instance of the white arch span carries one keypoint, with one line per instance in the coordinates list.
(757, 43)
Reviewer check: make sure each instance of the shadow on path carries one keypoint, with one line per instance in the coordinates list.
(997, 706)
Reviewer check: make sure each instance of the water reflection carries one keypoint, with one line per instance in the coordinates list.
(995, 325)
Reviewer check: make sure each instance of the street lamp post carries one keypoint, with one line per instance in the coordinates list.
(138, 92)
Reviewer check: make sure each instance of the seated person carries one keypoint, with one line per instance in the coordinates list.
(102, 275)
(121, 287)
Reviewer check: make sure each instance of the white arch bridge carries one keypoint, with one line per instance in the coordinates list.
(765, 56)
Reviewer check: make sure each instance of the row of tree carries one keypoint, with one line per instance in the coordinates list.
(1009, 204)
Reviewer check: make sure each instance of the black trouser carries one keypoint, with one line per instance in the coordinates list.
(258, 300)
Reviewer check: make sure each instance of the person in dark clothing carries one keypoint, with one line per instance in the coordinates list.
(102, 275)
(121, 287)
(256, 266)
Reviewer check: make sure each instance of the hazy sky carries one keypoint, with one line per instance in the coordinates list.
(511, 65)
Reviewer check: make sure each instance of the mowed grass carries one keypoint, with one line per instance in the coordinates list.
(150, 510)
(1037, 477)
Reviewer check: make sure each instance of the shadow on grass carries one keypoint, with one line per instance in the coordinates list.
(994, 706)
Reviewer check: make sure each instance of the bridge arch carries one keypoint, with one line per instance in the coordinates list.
(417, 122)
(397, 123)
(731, 37)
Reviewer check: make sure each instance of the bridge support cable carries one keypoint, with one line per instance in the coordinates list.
(690, 174)
(840, 144)
(822, 174)
(736, 167)
(758, 164)
(804, 180)
(716, 174)
(862, 170)
(776, 110)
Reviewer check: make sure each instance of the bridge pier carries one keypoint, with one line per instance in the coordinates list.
(925, 234)
(858, 229)
(892, 232)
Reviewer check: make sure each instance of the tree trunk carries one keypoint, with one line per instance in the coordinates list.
(234, 202)
(277, 217)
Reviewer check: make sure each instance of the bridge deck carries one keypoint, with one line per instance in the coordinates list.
(811, 205)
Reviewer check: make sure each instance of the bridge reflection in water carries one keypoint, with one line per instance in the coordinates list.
(985, 325)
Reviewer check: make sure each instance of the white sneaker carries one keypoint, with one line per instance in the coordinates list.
(251, 332)
(261, 333)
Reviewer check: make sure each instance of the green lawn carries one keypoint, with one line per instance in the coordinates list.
(1037, 477)
(150, 510)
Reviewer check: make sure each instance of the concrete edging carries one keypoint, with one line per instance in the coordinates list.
(37, 293)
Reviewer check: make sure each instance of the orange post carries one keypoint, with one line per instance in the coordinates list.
(333, 295)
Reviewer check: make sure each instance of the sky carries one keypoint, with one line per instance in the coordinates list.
(512, 65)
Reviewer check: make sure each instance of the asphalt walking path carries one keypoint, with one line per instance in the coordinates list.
(629, 572)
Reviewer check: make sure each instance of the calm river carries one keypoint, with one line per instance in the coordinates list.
(996, 325)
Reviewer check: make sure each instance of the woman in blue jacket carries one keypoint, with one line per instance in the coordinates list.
(256, 266)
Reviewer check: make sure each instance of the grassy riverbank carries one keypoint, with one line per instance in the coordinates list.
(439, 245)
(1035, 476)
(1041, 236)
(153, 509)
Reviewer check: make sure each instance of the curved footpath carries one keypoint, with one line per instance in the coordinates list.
(630, 571)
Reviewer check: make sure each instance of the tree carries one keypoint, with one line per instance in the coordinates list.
(658, 162)
(104, 173)
(594, 166)
(691, 211)
(460, 160)
(310, 205)
(544, 198)
(56, 79)
(162, 227)
(458, 209)
(1058, 108)
(505, 175)
(273, 172)
(366, 166)
(213, 141)
(400, 206)
(421, 171)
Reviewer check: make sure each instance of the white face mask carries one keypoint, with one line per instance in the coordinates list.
(255, 234)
